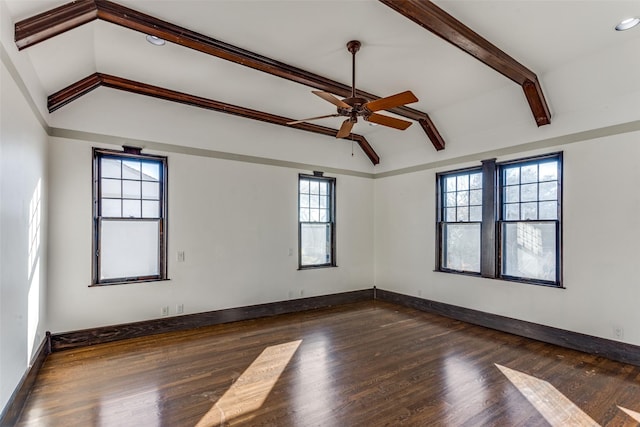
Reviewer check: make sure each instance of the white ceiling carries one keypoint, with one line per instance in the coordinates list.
(550, 37)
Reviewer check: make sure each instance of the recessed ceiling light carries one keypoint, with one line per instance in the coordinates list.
(627, 24)
(157, 41)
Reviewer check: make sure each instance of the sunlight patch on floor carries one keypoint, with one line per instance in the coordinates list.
(633, 414)
(554, 406)
(251, 389)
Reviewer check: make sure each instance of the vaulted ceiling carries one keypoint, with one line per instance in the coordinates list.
(92, 61)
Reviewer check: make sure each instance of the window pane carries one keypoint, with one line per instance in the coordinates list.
(450, 183)
(314, 215)
(151, 171)
(512, 176)
(475, 213)
(450, 214)
(111, 168)
(549, 171)
(150, 209)
(529, 173)
(529, 211)
(475, 181)
(512, 194)
(304, 214)
(323, 187)
(131, 209)
(323, 215)
(512, 212)
(111, 208)
(475, 197)
(151, 190)
(450, 199)
(463, 214)
(111, 188)
(314, 187)
(548, 210)
(131, 189)
(529, 192)
(304, 186)
(461, 247)
(549, 190)
(314, 201)
(131, 169)
(304, 200)
(324, 202)
(463, 198)
(529, 250)
(129, 249)
(463, 182)
(315, 244)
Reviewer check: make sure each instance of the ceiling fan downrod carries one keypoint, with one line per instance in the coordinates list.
(353, 46)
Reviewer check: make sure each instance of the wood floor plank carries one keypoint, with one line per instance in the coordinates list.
(370, 363)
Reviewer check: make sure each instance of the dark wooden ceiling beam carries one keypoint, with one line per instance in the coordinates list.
(429, 16)
(41, 27)
(86, 85)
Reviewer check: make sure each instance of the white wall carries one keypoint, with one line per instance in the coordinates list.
(23, 232)
(601, 245)
(235, 222)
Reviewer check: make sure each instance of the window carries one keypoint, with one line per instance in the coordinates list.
(316, 221)
(510, 228)
(461, 218)
(129, 204)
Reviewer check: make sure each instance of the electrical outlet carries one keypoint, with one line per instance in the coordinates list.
(180, 256)
(618, 332)
(164, 311)
(301, 292)
(179, 308)
(290, 251)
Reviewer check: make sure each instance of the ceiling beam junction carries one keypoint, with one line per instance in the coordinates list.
(48, 24)
(89, 83)
(431, 17)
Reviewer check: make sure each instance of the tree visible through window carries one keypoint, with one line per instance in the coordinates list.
(316, 221)
(129, 217)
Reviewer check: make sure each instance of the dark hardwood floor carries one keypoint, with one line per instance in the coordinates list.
(362, 364)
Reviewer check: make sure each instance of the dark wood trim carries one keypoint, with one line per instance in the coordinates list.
(53, 22)
(431, 17)
(70, 340)
(614, 350)
(488, 226)
(86, 85)
(48, 24)
(13, 408)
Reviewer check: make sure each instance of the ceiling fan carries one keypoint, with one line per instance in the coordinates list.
(354, 107)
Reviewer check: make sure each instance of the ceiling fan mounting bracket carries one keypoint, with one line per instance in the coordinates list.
(353, 46)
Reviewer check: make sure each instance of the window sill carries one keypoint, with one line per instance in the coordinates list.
(315, 267)
(503, 279)
(126, 282)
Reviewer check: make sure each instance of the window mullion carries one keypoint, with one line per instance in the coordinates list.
(489, 215)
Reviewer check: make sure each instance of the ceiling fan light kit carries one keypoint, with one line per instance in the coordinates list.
(355, 106)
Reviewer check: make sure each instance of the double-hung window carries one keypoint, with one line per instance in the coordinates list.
(316, 221)
(460, 220)
(502, 220)
(130, 223)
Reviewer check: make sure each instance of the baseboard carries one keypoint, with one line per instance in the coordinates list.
(13, 408)
(614, 350)
(75, 339)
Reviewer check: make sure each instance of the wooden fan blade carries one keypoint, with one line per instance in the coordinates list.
(392, 101)
(345, 129)
(312, 118)
(391, 122)
(330, 98)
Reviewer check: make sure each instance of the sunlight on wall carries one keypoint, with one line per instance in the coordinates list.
(33, 272)
(554, 406)
(251, 389)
